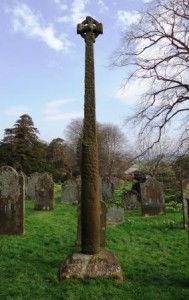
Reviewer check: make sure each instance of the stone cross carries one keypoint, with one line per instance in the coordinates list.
(89, 29)
(92, 262)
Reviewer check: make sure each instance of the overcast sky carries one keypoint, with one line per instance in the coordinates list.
(42, 62)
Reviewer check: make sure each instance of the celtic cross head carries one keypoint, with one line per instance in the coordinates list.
(89, 25)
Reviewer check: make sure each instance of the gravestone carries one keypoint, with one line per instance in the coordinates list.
(26, 182)
(103, 214)
(185, 199)
(12, 196)
(70, 192)
(129, 200)
(138, 178)
(115, 215)
(44, 192)
(32, 180)
(107, 190)
(152, 197)
(78, 179)
(117, 183)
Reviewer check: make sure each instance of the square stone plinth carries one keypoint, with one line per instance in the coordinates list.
(103, 265)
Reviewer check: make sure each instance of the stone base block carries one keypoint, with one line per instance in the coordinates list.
(103, 265)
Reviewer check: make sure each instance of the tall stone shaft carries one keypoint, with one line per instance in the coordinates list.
(89, 29)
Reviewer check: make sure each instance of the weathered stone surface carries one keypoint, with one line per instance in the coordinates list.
(78, 179)
(103, 221)
(70, 191)
(25, 181)
(117, 183)
(129, 200)
(91, 263)
(101, 265)
(103, 213)
(32, 180)
(152, 198)
(89, 29)
(12, 198)
(107, 190)
(44, 192)
(115, 215)
(185, 198)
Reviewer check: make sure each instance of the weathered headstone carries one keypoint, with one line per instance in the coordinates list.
(70, 192)
(185, 199)
(107, 190)
(115, 215)
(152, 198)
(12, 196)
(44, 192)
(78, 180)
(129, 200)
(26, 182)
(32, 179)
(138, 178)
(117, 183)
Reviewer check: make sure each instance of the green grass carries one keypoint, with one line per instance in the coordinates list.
(118, 193)
(153, 252)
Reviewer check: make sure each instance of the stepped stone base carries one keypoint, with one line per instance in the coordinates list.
(103, 265)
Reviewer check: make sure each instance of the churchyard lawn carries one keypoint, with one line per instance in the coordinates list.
(153, 252)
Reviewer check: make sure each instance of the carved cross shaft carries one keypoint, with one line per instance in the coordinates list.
(89, 29)
(89, 25)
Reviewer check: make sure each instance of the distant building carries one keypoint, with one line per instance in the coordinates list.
(129, 173)
(132, 169)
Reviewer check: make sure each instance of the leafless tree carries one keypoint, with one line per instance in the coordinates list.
(113, 150)
(112, 144)
(155, 159)
(156, 53)
(73, 132)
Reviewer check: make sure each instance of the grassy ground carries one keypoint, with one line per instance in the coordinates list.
(153, 253)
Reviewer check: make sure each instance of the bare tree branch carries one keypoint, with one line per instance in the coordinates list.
(156, 51)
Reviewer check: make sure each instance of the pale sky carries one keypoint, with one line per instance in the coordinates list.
(42, 62)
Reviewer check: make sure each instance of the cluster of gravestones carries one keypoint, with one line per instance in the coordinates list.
(147, 193)
(14, 188)
(71, 193)
(151, 197)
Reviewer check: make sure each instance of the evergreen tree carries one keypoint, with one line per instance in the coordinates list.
(21, 147)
